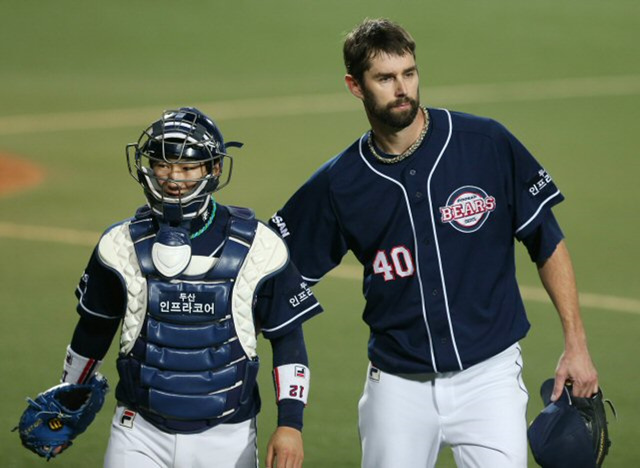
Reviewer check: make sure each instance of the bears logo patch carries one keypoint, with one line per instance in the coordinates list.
(467, 208)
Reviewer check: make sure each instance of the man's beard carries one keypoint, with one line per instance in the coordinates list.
(385, 114)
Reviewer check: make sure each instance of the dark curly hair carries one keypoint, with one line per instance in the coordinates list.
(370, 38)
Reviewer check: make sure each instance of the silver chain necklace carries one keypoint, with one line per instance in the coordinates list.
(409, 151)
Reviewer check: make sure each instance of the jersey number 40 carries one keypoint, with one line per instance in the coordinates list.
(397, 263)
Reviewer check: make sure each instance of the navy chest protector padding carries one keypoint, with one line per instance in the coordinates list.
(187, 370)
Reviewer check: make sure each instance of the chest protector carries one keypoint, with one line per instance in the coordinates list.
(187, 357)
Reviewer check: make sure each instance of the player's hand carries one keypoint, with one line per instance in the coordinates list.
(285, 448)
(576, 367)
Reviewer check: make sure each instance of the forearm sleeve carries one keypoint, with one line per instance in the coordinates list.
(93, 336)
(290, 349)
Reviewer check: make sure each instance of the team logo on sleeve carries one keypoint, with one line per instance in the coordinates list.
(467, 208)
(539, 182)
(302, 295)
(278, 221)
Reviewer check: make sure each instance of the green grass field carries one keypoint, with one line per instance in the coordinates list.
(80, 80)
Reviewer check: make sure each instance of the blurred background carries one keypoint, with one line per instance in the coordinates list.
(78, 81)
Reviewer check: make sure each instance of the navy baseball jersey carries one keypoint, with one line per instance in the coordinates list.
(435, 235)
(281, 303)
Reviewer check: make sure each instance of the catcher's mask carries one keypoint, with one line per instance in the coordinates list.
(558, 436)
(178, 160)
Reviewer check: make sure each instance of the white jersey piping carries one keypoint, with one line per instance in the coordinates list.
(311, 280)
(89, 311)
(537, 211)
(268, 330)
(415, 246)
(435, 238)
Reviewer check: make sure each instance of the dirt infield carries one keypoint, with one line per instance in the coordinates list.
(16, 174)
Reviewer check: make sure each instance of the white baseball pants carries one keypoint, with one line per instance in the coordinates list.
(479, 412)
(138, 444)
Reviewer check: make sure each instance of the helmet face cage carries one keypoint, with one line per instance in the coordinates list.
(178, 161)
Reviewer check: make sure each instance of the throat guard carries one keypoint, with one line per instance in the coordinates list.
(171, 251)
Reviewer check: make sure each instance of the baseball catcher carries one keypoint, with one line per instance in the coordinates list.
(570, 432)
(189, 283)
(60, 414)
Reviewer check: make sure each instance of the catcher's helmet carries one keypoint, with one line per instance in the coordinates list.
(562, 436)
(181, 141)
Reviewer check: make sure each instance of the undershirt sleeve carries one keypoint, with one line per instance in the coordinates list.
(92, 336)
(290, 349)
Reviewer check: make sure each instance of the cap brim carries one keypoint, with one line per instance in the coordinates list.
(546, 389)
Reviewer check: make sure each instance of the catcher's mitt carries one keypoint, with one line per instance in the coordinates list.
(60, 414)
(570, 432)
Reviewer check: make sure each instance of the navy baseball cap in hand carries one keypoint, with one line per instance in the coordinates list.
(558, 436)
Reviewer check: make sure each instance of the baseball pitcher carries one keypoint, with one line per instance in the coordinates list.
(431, 201)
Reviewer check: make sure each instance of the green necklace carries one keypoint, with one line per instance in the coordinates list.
(206, 226)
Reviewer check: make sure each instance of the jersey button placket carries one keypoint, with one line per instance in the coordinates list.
(416, 187)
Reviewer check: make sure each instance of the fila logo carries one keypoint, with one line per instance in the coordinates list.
(467, 208)
(127, 418)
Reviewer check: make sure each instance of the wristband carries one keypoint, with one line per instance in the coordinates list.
(292, 382)
(78, 369)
